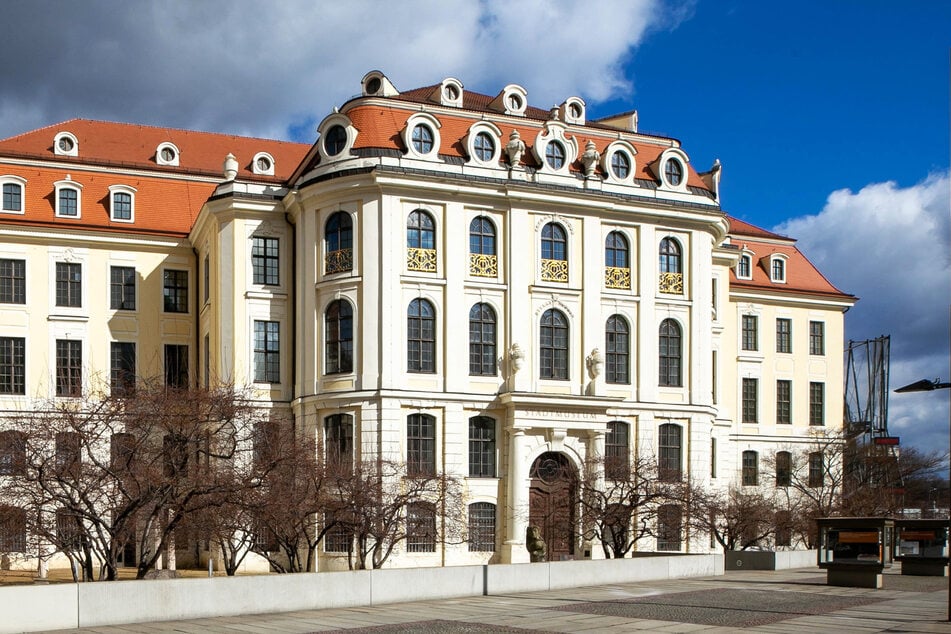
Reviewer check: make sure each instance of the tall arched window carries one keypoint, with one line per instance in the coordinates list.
(669, 451)
(482, 340)
(617, 267)
(618, 345)
(420, 444)
(553, 345)
(671, 267)
(617, 452)
(554, 253)
(338, 439)
(669, 372)
(338, 243)
(750, 475)
(783, 468)
(338, 334)
(420, 242)
(420, 337)
(483, 261)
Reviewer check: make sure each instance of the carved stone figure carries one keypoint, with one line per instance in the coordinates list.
(595, 363)
(516, 357)
(537, 550)
(590, 158)
(514, 148)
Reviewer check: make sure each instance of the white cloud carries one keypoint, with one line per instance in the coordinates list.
(253, 68)
(890, 246)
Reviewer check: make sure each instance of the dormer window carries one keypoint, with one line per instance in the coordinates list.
(620, 165)
(618, 162)
(263, 164)
(13, 188)
(511, 100)
(555, 149)
(671, 169)
(421, 136)
(744, 268)
(375, 84)
(337, 136)
(167, 154)
(483, 144)
(65, 144)
(555, 155)
(122, 203)
(572, 111)
(777, 269)
(335, 141)
(449, 93)
(68, 199)
(674, 172)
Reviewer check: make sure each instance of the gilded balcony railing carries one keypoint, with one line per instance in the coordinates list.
(338, 261)
(672, 283)
(617, 277)
(483, 265)
(554, 270)
(421, 259)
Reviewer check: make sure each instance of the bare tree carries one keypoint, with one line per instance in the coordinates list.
(738, 519)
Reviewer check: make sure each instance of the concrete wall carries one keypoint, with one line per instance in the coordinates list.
(62, 606)
(769, 560)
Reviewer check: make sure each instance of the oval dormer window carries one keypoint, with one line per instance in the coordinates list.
(484, 146)
(674, 172)
(621, 164)
(66, 144)
(555, 155)
(335, 141)
(423, 139)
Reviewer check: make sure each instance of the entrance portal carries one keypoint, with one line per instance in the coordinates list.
(552, 505)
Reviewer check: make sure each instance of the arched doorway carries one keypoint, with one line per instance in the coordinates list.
(552, 503)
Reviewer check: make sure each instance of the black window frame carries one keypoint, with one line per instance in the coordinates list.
(175, 290)
(484, 146)
(12, 194)
(12, 453)
(176, 365)
(338, 442)
(750, 401)
(556, 156)
(421, 532)
(420, 444)
(13, 365)
(121, 206)
(783, 469)
(267, 351)
(266, 261)
(420, 230)
(620, 164)
(12, 281)
(783, 335)
(335, 141)
(670, 354)
(482, 236)
(749, 340)
(12, 529)
(783, 402)
(816, 469)
(750, 469)
(482, 447)
(554, 242)
(122, 282)
(69, 368)
(482, 522)
(670, 255)
(617, 350)
(69, 284)
(338, 337)
(674, 172)
(744, 267)
(817, 397)
(617, 451)
(122, 367)
(817, 344)
(670, 452)
(554, 345)
(423, 138)
(483, 338)
(669, 527)
(617, 251)
(421, 337)
(68, 198)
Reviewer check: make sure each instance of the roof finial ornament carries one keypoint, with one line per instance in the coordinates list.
(514, 148)
(553, 114)
(590, 158)
(230, 167)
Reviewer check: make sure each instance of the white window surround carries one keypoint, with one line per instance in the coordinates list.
(748, 256)
(572, 111)
(608, 155)
(376, 84)
(450, 93)
(65, 144)
(121, 189)
(336, 119)
(494, 132)
(69, 183)
(555, 131)
(659, 168)
(428, 120)
(11, 179)
(512, 100)
(172, 159)
(263, 163)
(785, 266)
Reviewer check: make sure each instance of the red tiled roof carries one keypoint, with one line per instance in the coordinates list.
(741, 228)
(801, 275)
(133, 146)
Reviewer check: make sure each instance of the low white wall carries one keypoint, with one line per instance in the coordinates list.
(769, 560)
(62, 606)
(786, 559)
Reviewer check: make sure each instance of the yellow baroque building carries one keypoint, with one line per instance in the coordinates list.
(458, 280)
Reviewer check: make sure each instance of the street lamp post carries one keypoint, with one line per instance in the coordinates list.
(927, 385)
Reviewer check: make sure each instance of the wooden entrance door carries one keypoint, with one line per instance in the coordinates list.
(552, 504)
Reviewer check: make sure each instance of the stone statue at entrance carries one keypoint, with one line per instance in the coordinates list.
(537, 550)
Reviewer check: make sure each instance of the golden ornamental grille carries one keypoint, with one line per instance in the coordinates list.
(338, 261)
(483, 265)
(421, 259)
(672, 283)
(616, 277)
(555, 270)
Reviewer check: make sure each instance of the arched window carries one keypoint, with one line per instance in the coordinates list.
(482, 258)
(420, 337)
(669, 451)
(482, 340)
(783, 469)
(338, 441)
(778, 270)
(482, 527)
(420, 444)
(423, 139)
(338, 243)
(669, 373)
(420, 242)
(12, 453)
(553, 345)
(671, 267)
(554, 253)
(750, 475)
(617, 453)
(617, 267)
(674, 172)
(618, 345)
(555, 155)
(744, 267)
(338, 335)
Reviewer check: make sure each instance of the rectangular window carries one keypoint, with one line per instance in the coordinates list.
(121, 206)
(783, 469)
(68, 457)
(669, 521)
(69, 284)
(122, 287)
(669, 453)
(265, 260)
(784, 402)
(176, 366)
(420, 528)
(338, 538)
(617, 452)
(481, 447)
(338, 435)
(69, 367)
(175, 291)
(817, 336)
(12, 365)
(750, 335)
(68, 202)
(122, 367)
(12, 530)
(816, 469)
(207, 360)
(783, 335)
(12, 197)
(482, 527)
(12, 455)
(713, 457)
(713, 378)
(12, 281)
(750, 400)
(817, 392)
(750, 469)
(267, 352)
(421, 444)
(206, 278)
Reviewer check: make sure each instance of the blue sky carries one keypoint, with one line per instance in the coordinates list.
(830, 118)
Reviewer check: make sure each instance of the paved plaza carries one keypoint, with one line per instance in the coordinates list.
(790, 601)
